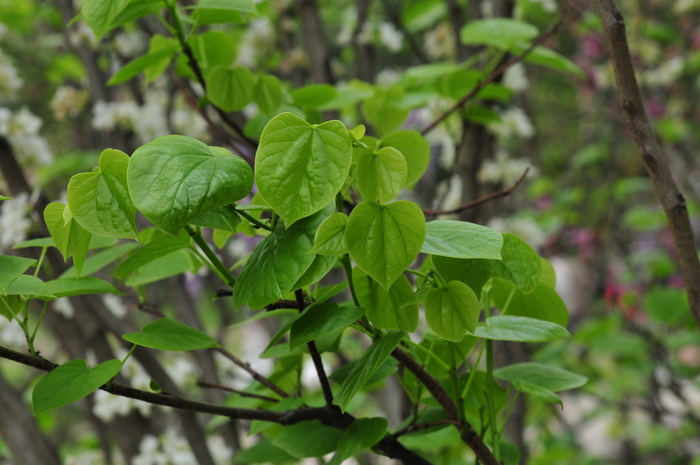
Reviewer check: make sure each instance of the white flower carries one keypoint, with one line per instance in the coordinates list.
(514, 122)
(387, 77)
(515, 78)
(5, 115)
(503, 169)
(685, 6)
(68, 102)
(10, 81)
(439, 42)
(390, 37)
(13, 221)
(665, 74)
(130, 44)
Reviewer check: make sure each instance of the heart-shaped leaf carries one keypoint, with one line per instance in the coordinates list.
(384, 239)
(381, 174)
(267, 93)
(392, 309)
(230, 88)
(330, 236)
(497, 32)
(452, 310)
(460, 239)
(415, 150)
(71, 382)
(300, 167)
(176, 178)
(99, 201)
(166, 334)
(543, 303)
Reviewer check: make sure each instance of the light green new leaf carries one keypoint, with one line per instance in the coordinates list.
(384, 239)
(176, 178)
(330, 236)
(497, 32)
(520, 329)
(158, 247)
(314, 95)
(71, 239)
(520, 264)
(71, 382)
(173, 264)
(308, 439)
(300, 167)
(543, 303)
(552, 378)
(166, 334)
(30, 286)
(99, 201)
(160, 53)
(11, 305)
(366, 366)
(99, 14)
(267, 93)
(361, 435)
(460, 239)
(452, 310)
(392, 309)
(322, 319)
(278, 262)
(244, 6)
(98, 261)
(230, 88)
(4, 197)
(381, 174)
(415, 150)
(12, 268)
(66, 287)
(548, 58)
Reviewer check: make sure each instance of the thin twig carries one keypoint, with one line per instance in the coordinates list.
(413, 428)
(650, 150)
(500, 70)
(486, 198)
(257, 376)
(206, 384)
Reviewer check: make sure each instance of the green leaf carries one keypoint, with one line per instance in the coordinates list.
(244, 6)
(12, 268)
(71, 239)
(176, 178)
(543, 303)
(520, 329)
(361, 435)
(330, 236)
(277, 263)
(99, 201)
(4, 197)
(415, 150)
(497, 32)
(160, 53)
(452, 310)
(460, 239)
(99, 14)
(551, 378)
(158, 247)
(300, 167)
(30, 286)
(381, 174)
(313, 96)
(318, 269)
(11, 305)
(166, 334)
(66, 287)
(172, 264)
(366, 366)
(308, 439)
(224, 218)
(71, 382)
(322, 319)
(230, 88)
(548, 276)
(384, 239)
(520, 264)
(548, 58)
(267, 94)
(382, 110)
(390, 309)
(98, 261)
(264, 451)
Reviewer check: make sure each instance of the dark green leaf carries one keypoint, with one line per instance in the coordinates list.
(322, 319)
(66, 287)
(390, 309)
(543, 303)
(166, 334)
(360, 435)
(267, 93)
(244, 6)
(71, 239)
(308, 439)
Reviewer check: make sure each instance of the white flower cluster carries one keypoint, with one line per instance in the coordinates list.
(439, 42)
(172, 449)
(132, 43)
(686, 6)
(14, 222)
(503, 169)
(515, 78)
(665, 74)
(525, 228)
(514, 123)
(68, 102)
(258, 38)
(10, 81)
(383, 34)
(21, 128)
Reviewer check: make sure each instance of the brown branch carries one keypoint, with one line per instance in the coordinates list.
(466, 430)
(486, 198)
(206, 384)
(413, 428)
(495, 74)
(650, 150)
(257, 376)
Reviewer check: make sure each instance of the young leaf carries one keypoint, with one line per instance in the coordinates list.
(160, 53)
(267, 93)
(390, 309)
(12, 268)
(366, 366)
(11, 305)
(551, 378)
(543, 303)
(173, 264)
(415, 150)
(30, 286)
(497, 32)
(330, 236)
(98, 261)
(381, 174)
(360, 435)
(99, 14)
(224, 218)
(520, 264)
(460, 239)
(166, 334)
(160, 246)
(244, 6)
(520, 329)
(452, 310)
(384, 239)
(278, 262)
(313, 96)
(308, 439)
(319, 268)
(300, 167)
(66, 287)
(176, 178)
(71, 239)
(230, 88)
(322, 319)
(99, 201)
(71, 382)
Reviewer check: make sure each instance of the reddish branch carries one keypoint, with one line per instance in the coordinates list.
(492, 77)
(650, 150)
(486, 198)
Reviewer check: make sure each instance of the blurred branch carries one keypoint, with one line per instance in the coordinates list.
(653, 156)
(495, 74)
(206, 384)
(488, 197)
(315, 43)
